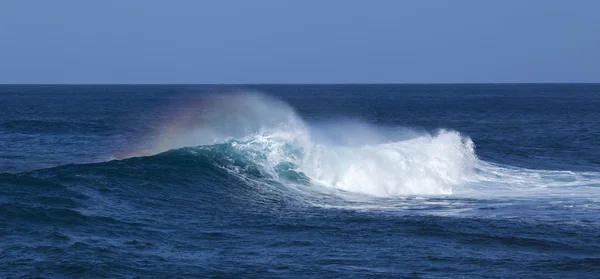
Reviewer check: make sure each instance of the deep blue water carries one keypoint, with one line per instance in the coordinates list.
(300, 181)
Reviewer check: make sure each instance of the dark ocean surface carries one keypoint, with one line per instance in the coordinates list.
(300, 181)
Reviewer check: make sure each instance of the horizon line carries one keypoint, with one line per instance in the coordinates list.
(260, 84)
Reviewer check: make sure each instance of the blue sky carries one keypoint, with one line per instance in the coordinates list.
(282, 41)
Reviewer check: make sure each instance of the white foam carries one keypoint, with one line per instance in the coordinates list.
(428, 164)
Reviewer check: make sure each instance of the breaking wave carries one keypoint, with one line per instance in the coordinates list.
(268, 136)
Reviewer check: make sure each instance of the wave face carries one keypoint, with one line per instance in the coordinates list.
(345, 155)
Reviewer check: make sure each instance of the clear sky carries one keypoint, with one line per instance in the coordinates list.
(279, 41)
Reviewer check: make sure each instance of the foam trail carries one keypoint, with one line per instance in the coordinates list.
(495, 179)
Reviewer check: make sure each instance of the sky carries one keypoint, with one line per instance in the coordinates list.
(309, 41)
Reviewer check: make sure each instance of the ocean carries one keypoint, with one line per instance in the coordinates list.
(300, 181)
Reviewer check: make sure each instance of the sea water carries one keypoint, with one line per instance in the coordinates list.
(300, 181)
